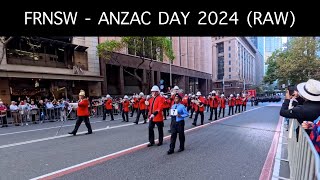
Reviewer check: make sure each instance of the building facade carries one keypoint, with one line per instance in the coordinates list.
(49, 67)
(234, 65)
(191, 69)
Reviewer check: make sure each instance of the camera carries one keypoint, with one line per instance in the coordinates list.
(291, 89)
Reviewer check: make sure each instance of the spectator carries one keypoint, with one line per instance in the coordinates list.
(310, 110)
(3, 112)
(14, 111)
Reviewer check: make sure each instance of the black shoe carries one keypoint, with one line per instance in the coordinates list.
(170, 152)
(112, 119)
(194, 124)
(159, 144)
(145, 122)
(72, 133)
(209, 119)
(180, 150)
(169, 131)
(150, 144)
(88, 133)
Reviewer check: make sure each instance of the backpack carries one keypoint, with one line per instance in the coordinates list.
(315, 134)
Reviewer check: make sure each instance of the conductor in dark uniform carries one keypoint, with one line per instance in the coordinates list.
(178, 112)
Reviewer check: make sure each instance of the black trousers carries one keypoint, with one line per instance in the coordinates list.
(108, 111)
(189, 108)
(125, 115)
(79, 121)
(192, 111)
(215, 113)
(196, 117)
(237, 108)
(177, 127)
(222, 111)
(165, 112)
(143, 112)
(4, 121)
(252, 103)
(133, 110)
(231, 110)
(244, 107)
(151, 132)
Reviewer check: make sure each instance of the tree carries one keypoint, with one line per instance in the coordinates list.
(150, 47)
(4, 41)
(297, 64)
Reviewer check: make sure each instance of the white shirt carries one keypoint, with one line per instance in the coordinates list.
(13, 107)
(49, 105)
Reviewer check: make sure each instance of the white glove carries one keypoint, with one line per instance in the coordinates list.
(151, 116)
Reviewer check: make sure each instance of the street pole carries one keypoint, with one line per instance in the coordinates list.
(170, 73)
(223, 90)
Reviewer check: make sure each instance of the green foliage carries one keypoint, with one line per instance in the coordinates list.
(150, 47)
(297, 64)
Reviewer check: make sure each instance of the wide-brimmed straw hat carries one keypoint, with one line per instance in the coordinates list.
(310, 90)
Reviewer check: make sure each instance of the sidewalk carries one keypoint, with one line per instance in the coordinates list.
(281, 168)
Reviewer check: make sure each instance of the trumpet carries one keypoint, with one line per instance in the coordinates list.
(197, 102)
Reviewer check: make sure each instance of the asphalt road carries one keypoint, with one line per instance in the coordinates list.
(232, 149)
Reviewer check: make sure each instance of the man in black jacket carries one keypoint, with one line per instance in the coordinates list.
(310, 110)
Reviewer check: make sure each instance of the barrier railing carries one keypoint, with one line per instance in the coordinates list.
(302, 155)
(40, 115)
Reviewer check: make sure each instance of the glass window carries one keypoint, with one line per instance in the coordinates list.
(229, 76)
(229, 62)
(229, 47)
(230, 69)
(229, 55)
(220, 47)
(220, 67)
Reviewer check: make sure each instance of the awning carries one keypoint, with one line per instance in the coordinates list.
(50, 76)
(60, 43)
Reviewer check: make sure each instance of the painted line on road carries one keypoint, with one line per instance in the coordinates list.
(108, 157)
(266, 172)
(54, 127)
(61, 136)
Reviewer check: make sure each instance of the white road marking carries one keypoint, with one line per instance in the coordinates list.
(93, 161)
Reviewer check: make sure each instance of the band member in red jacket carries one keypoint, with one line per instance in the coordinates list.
(244, 102)
(135, 105)
(231, 103)
(185, 100)
(222, 105)
(155, 115)
(82, 113)
(108, 108)
(199, 101)
(238, 103)
(214, 105)
(193, 106)
(125, 109)
(141, 109)
(166, 107)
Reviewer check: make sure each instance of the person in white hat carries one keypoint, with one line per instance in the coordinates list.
(310, 110)
(108, 108)
(222, 105)
(214, 104)
(125, 109)
(155, 115)
(244, 102)
(231, 103)
(141, 109)
(238, 103)
(82, 113)
(199, 108)
(135, 105)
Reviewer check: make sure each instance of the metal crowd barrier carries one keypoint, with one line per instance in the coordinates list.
(303, 158)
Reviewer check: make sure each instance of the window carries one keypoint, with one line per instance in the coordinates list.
(220, 67)
(229, 76)
(220, 47)
(229, 62)
(230, 69)
(229, 55)
(229, 47)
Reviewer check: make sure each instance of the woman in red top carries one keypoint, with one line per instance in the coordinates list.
(125, 108)
(82, 113)
(222, 105)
